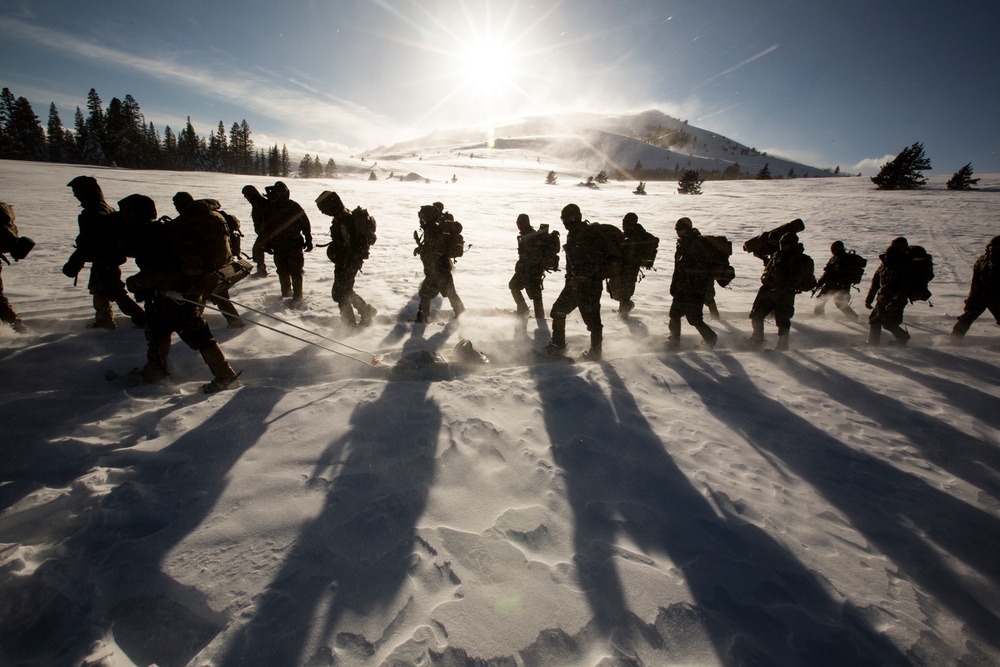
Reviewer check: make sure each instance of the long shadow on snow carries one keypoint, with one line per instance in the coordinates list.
(109, 574)
(883, 503)
(41, 411)
(757, 603)
(356, 553)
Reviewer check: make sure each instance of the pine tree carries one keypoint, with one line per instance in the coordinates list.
(602, 177)
(331, 169)
(550, 178)
(305, 165)
(905, 171)
(6, 108)
(55, 137)
(690, 183)
(317, 167)
(962, 179)
(765, 173)
(169, 149)
(92, 148)
(286, 162)
(24, 133)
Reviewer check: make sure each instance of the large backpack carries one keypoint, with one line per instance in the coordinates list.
(610, 241)
(11, 242)
(8, 230)
(201, 241)
(644, 247)
(807, 281)
(923, 272)
(452, 230)
(853, 266)
(722, 270)
(232, 224)
(363, 233)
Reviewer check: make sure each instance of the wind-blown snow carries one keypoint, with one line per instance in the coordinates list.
(832, 505)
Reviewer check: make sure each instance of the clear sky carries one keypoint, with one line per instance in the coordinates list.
(844, 83)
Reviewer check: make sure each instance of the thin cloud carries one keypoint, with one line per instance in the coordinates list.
(770, 49)
(243, 88)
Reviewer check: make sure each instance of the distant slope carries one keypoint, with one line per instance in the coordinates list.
(616, 144)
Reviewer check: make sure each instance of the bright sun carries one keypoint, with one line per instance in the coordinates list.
(488, 65)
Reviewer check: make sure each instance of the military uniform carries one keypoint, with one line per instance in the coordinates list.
(288, 237)
(787, 272)
(174, 301)
(984, 292)
(622, 287)
(695, 262)
(220, 298)
(584, 283)
(529, 271)
(348, 258)
(258, 215)
(836, 283)
(8, 239)
(434, 251)
(890, 293)
(101, 243)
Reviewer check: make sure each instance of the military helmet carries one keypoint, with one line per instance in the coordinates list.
(630, 219)
(329, 202)
(683, 223)
(137, 208)
(523, 222)
(182, 200)
(837, 247)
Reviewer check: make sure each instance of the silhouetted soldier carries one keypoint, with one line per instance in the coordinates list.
(176, 259)
(101, 242)
(984, 292)
(11, 243)
(836, 281)
(288, 235)
(183, 201)
(787, 272)
(348, 251)
(529, 271)
(890, 293)
(584, 284)
(695, 267)
(639, 250)
(434, 247)
(259, 216)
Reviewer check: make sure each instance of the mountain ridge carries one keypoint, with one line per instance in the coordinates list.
(627, 145)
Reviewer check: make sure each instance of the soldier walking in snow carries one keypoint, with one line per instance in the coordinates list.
(695, 266)
(101, 242)
(11, 243)
(436, 247)
(348, 251)
(288, 235)
(984, 292)
(787, 272)
(176, 259)
(843, 270)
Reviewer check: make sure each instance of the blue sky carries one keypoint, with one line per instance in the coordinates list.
(845, 83)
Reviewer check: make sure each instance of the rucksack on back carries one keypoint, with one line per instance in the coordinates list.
(201, 241)
(545, 246)
(722, 271)
(610, 241)
(232, 225)
(854, 266)
(645, 247)
(363, 234)
(807, 281)
(452, 230)
(8, 230)
(923, 272)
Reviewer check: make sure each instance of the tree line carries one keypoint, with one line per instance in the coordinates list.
(120, 136)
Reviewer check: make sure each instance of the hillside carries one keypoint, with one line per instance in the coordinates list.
(589, 143)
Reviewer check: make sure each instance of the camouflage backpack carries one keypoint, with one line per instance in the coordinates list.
(232, 224)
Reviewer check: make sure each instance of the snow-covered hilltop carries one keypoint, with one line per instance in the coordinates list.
(631, 146)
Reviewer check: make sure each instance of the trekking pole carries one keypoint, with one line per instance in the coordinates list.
(293, 325)
(374, 363)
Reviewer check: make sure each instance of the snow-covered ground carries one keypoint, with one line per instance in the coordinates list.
(832, 505)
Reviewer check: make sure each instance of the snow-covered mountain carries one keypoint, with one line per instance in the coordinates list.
(625, 146)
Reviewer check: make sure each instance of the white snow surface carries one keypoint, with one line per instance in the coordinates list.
(830, 505)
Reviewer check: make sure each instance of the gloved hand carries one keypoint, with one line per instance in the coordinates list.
(70, 269)
(308, 246)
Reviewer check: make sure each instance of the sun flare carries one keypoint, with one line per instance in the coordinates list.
(488, 65)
